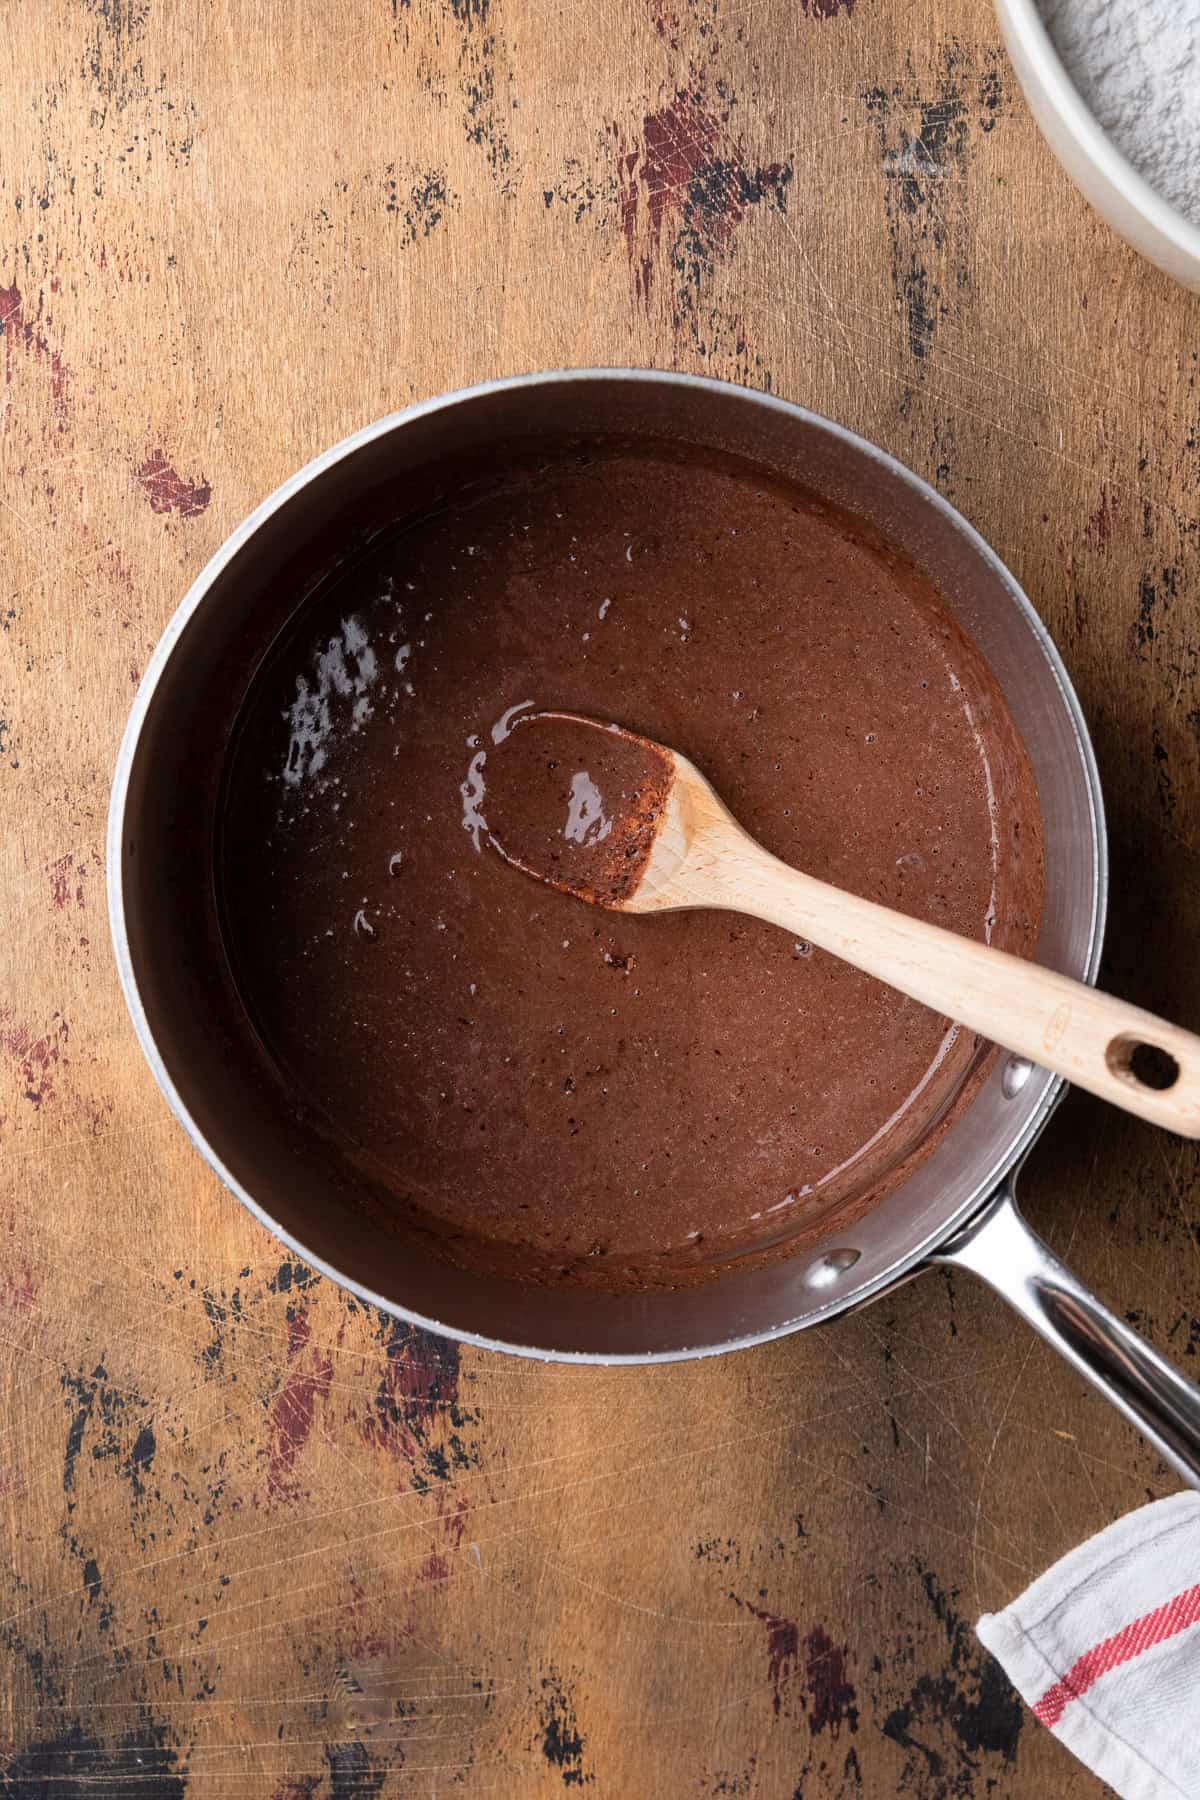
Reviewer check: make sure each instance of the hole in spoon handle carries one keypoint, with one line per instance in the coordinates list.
(1142, 1064)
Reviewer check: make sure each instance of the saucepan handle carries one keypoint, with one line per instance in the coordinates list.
(999, 1247)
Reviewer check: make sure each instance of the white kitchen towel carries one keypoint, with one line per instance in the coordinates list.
(1105, 1649)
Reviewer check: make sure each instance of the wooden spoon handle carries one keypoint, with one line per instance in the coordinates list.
(1091, 1038)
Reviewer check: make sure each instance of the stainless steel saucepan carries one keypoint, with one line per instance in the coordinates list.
(958, 1207)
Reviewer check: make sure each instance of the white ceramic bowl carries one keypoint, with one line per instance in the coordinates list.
(1114, 187)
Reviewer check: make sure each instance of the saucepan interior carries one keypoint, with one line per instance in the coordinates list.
(164, 911)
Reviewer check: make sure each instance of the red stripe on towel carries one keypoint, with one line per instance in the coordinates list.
(1175, 1615)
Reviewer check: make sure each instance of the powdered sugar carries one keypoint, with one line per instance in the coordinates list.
(1136, 64)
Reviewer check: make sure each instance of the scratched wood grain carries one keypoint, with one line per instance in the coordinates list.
(258, 1540)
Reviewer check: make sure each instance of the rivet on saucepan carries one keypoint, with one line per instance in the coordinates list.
(1015, 1074)
(831, 1267)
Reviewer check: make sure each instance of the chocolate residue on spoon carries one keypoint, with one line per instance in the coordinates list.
(576, 803)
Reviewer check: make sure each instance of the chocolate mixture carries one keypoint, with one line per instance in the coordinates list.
(576, 803)
(567, 1094)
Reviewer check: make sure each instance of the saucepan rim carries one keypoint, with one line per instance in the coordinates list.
(916, 1252)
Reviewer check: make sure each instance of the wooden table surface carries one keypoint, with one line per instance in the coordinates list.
(258, 1540)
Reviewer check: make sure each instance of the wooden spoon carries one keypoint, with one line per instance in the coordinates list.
(667, 842)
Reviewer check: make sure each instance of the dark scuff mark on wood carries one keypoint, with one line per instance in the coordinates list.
(1099, 528)
(23, 330)
(1189, 1324)
(783, 1648)
(293, 1410)
(111, 64)
(688, 175)
(925, 149)
(419, 205)
(38, 1058)
(416, 201)
(735, 1781)
(455, 47)
(91, 1579)
(831, 1695)
(169, 492)
(61, 873)
(486, 89)
(139, 1460)
(224, 1311)
(94, 1605)
(719, 1550)
(1164, 784)
(991, 99)
(1157, 590)
(98, 1415)
(585, 195)
(562, 1742)
(972, 1696)
(943, 447)
(75, 1761)
(416, 1416)
(67, 875)
(826, 9)
(18, 1284)
(42, 1662)
(352, 1774)
(486, 111)
(828, 1696)
(293, 1275)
